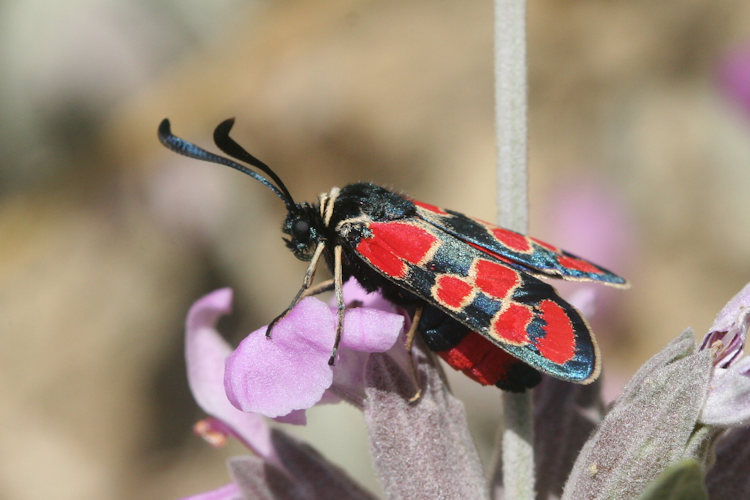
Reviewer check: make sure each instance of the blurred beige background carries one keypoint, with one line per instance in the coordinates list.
(107, 238)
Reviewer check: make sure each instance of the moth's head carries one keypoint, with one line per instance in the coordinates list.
(302, 226)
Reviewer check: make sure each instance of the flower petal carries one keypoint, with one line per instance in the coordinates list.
(205, 355)
(348, 379)
(372, 324)
(730, 327)
(355, 295)
(728, 316)
(205, 349)
(371, 330)
(743, 366)
(296, 417)
(728, 402)
(289, 371)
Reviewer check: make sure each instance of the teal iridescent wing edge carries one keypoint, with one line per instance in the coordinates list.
(522, 252)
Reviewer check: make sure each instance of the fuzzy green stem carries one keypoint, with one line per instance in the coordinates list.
(517, 446)
(512, 204)
(510, 114)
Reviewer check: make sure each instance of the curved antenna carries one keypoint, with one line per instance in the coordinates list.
(190, 150)
(230, 147)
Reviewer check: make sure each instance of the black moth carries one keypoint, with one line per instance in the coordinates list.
(472, 288)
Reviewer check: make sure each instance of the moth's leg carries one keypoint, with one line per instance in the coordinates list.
(309, 275)
(409, 343)
(325, 286)
(340, 306)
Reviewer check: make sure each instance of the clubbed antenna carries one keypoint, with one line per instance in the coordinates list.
(230, 147)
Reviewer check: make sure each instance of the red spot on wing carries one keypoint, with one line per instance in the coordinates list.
(559, 343)
(431, 208)
(409, 241)
(511, 239)
(496, 280)
(392, 243)
(511, 323)
(479, 359)
(452, 291)
(381, 257)
(578, 264)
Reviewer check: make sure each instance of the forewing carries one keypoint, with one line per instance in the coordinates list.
(520, 251)
(514, 310)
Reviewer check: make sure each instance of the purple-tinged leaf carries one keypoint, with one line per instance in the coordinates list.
(313, 473)
(728, 477)
(681, 481)
(259, 480)
(648, 427)
(682, 346)
(565, 416)
(421, 449)
(700, 445)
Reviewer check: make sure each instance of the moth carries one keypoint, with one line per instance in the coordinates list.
(473, 288)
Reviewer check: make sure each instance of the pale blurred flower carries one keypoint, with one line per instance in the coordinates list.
(728, 401)
(734, 77)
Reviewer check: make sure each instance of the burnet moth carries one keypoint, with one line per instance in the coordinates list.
(473, 288)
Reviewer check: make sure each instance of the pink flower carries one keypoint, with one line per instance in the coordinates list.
(728, 400)
(280, 376)
(289, 371)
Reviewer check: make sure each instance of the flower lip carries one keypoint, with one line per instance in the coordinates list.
(290, 371)
(205, 355)
(728, 346)
(728, 333)
(727, 400)
(274, 376)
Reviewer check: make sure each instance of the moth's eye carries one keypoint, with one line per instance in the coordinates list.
(301, 230)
